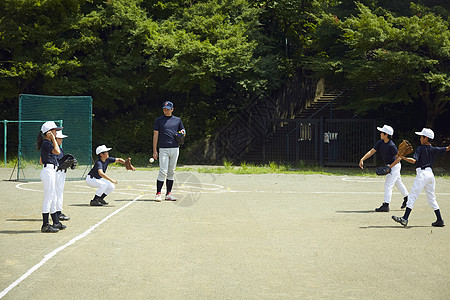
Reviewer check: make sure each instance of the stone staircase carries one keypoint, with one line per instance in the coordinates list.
(322, 106)
(325, 106)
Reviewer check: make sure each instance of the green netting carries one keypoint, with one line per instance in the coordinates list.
(74, 113)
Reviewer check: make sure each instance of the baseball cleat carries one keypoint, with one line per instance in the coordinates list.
(63, 217)
(170, 197)
(94, 202)
(383, 208)
(438, 223)
(48, 229)
(102, 201)
(400, 220)
(158, 197)
(59, 226)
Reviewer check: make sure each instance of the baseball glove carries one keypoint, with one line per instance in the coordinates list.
(383, 170)
(405, 148)
(179, 136)
(128, 164)
(67, 161)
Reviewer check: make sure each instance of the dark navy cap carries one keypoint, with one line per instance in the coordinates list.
(168, 105)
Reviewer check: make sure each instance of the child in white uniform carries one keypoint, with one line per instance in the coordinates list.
(60, 180)
(97, 177)
(388, 152)
(46, 143)
(424, 158)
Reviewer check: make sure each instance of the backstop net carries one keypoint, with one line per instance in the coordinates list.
(74, 113)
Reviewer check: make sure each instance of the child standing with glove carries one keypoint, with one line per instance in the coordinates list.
(46, 143)
(60, 179)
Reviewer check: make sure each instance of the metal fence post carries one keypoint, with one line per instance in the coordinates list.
(321, 142)
(5, 140)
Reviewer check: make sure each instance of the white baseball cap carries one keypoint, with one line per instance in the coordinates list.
(101, 148)
(49, 125)
(386, 129)
(60, 135)
(426, 132)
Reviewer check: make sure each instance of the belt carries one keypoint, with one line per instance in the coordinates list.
(424, 168)
(50, 165)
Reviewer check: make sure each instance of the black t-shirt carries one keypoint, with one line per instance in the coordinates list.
(47, 156)
(61, 154)
(388, 150)
(426, 154)
(167, 128)
(99, 164)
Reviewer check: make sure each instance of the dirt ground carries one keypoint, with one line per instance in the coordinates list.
(227, 237)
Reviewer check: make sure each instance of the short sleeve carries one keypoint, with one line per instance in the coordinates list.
(417, 153)
(180, 126)
(394, 150)
(48, 147)
(377, 145)
(156, 126)
(98, 165)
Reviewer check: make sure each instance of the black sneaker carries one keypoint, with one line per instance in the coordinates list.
(94, 202)
(63, 217)
(405, 200)
(49, 229)
(438, 223)
(400, 220)
(103, 202)
(59, 226)
(382, 208)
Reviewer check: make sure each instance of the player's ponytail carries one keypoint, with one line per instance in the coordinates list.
(40, 140)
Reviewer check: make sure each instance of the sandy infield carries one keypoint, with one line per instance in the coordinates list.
(228, 236)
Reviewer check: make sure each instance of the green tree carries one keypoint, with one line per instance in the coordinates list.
(407, 58)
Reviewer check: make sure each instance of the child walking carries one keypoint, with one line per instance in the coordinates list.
(388, 152)
(424, 158)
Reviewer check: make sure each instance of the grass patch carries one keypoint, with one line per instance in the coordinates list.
(274, 168)
(300, 168)
(141, 161)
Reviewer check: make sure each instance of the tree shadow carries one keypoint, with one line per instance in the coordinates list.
(365, 211)
(391, 226)
(25, 220)
(356, 211)
(19, 231)
(88, 205)
(141, 200)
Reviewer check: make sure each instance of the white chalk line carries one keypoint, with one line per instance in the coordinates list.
(183, 187)
(57, 250)
(188, 188)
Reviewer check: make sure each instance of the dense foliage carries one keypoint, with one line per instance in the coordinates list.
(405, 58)
(213, 57)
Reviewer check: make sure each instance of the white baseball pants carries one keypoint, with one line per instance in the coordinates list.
(424, 180)
(48, 178)
(168, 158)
(103, 186)
(394, 178)
(59, 189)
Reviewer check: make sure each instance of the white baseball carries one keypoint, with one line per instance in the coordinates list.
(151, 160)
